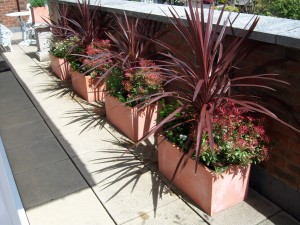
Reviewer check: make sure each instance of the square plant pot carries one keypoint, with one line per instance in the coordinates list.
(133, 123)
(40, 13)
(60, 67)
(211, 191)
(85, 86)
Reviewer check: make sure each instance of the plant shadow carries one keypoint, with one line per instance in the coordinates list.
(125, 166)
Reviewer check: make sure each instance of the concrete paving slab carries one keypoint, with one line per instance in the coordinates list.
(120, 179)
(252, 211)
(78, 120)
(108, 163)
(77, 143)
(63, 106)
(25, 134)
(19, 118)
(176, 212)
(33, 156)
(132, 194)
(48, 183)
(82, 208)
(281, 218)
(9, 87)
(14, 104)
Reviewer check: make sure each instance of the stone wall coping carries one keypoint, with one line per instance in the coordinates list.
(280, 31)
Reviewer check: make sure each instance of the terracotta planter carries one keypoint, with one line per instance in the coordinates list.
(60, 67)
(132, 123)
(85, 87)
(38, 13)
(212, 192)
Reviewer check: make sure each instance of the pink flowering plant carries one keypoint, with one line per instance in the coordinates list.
(239, 136)
(132, 85)
(85, 61)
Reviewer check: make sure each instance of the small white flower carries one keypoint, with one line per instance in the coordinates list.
(183, 137)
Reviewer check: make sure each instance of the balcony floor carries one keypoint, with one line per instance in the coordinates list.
(72, 167)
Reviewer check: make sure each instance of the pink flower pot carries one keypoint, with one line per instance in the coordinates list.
(134, 124)
(212, 192)
(60, 67)
(85, 86)
(39, 13)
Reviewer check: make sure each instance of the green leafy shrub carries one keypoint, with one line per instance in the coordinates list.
(134, 83)
(38, 3)
(84, 60)
(280, 8)
(231, 8)
(239, 137)
(63, 48)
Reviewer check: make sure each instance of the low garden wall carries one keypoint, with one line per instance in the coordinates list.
(277, 42)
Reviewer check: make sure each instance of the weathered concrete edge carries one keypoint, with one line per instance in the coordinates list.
(280, 31)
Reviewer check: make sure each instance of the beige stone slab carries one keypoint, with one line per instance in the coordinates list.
(14, 104)
(252, 211)
(79, 208)
(76, 120)
(19, 118)
(25, 134)
(138, 190)
(77, 142)
(121, 180)
(176, 212)
(107, 163)
(48, 183)
(33, 156)
(53, 107)
(281, 218)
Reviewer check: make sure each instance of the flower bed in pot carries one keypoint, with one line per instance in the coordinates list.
(126, 105)
(60, 67)
(133, 123)
(86, 70)
(211, 191)
(220, 177)
(87, 87)
(60, 51)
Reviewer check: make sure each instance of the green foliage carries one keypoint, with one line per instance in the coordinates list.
(38, 3)
(132, 85)
(239, 138)
(280, 8)
(84, 60)
(61, 49)
(231, 8)
(114, 84)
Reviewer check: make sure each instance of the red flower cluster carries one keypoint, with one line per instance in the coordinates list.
(236, 130)
(142, 80)
(98, 57)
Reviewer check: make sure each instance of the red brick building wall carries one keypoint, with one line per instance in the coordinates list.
(7, 6)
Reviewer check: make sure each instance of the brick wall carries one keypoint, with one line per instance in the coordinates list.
(284, 163)
(8, 6)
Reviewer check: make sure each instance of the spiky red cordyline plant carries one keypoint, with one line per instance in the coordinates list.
(86, 22)
(128, 46)
(59, 25)
(205, 78)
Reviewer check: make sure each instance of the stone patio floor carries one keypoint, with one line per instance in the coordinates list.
(71, 167)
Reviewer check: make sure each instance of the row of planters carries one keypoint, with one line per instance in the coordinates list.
(209, 132)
